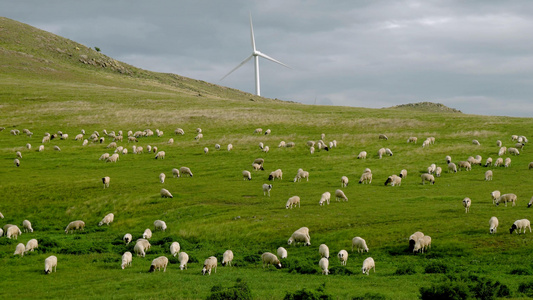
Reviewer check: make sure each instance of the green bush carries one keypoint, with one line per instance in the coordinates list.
(296, 265)
(340, 270)
(453, 290)
(526, 288)
(240, 291)
(520, 271)
(405, 270)
(305, 294)
(370, 296)
(486, 289)
(436, 267)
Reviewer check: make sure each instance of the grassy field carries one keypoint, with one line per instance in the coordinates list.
(47, 85)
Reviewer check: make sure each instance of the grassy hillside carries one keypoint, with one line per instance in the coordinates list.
(45, 87)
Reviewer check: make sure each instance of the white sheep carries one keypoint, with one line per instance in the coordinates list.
(361, 155)
(507, 162)
(19, 250)
(165, 193)
(427, 177)
(258, 130)
(246, 175)
(381, 151)
(438, 171)
(17, 162)
(520, 225)
(198, 137)
(149, 148)
(513, 151)
(383, 137)
(104, 156)
(257, 167)
(160, 225)
(427, 142)
(300, 236)
(488, 175)
(343, 257)
(105, 181)
(326, 196)
(230, 147)
(26, 224)
(368, 264)
(493, 224)
(507, 198)
(120, 148)
(281, 144)
(292, 202)
(475, 142)
(125, 151)
(127, 238)
(464, 164)
(141, 246)
(18, 154)
(41, 148)
(292, 144)
(394, 180)
(270, 259)
(50, 264)
(495, 195)
(209, 264)
(113, 158)
(276, 174)
(488, 162)
(179, 131)
(217, 146)
(339, 194)
(147, 234)
(28, 146)
(206, 150)
(78, 137)
(75, 225)
(366, 177)
(431, 169)
(31, 245)
(112, 145)
(160, 155)
(162, 177)
(502, 151)
(448, 159)
(227, 258)
(324, 265)
(466, 203)
(528, 205)
(126, 259)
(175, 172)
(499, 162)
(422, 244)
(159, 263)
(186, 171)
(414, 238)
(344, 181)
(183, 258)
(174, 248)
(154, 149)
(267, 132)
(1, 217)
(403, 173)
(170, 140)
(107, 219)
(498, 143)
(412, 139)
(360, 243)
(301, 174)
(266, 189)
(282, 253)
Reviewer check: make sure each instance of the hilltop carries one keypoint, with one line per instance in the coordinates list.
(427, 106)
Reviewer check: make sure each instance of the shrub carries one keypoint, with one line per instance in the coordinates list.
(340, 270)
(305, 294)
(405, 270)
(446, 290)
(485, 288)
(239, 291)
(520, 271)
(436, 267)
(370, 296)
(301, 266)
(526, 288)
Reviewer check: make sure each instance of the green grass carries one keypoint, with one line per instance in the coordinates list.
(216, 209)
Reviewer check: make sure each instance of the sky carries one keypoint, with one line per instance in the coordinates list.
(475, 56)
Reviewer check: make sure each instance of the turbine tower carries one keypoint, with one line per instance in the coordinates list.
(255, 54)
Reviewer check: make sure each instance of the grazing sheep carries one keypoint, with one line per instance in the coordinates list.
(127, 238)
(506, 198)
(28, 146)
(368, 264)
(174, 248)
(78, 137)
(230, 147)
(300, 236)
(186, 171)
(17, 162)
(276, 174)
(301, 174)
(394, 180)
(422, 244)
(488, 175)
(361, 155)
(343, 257)
(41, 148)
(170, 141)
(154, 149)
(495, 195)
(427, 177)
(488, 162)
(75, 225)
(464, 164)
(381, 152)
(344, 181)
(383, 137)
(31, 245)
(257, 167)
(466, 203)
(19, 250)
(282, 253)
(6, 227)
(267, 132)
(513, 151)
(105, 181)
(217, 146)
(281, 144)
(160, 155)
(266, 189)
(113, 158)
(498, 143)
(366, 177)
(141, 246)
(502, 151)
(259, 161)
(519, 146)
(339, 194)
(227, 258)
(507, 162)
(312, 150)
(26, 224)
(246, 175)
(448, 159)
(175, 172)
(102, 140)
(147, 234)
(475, 142)
(292, 145)
(403, 173)
(50, 264)
(19, 155)
(323, 250)
(412, 139)
(162, 177)
(160, 225)
(209, 264)
(126, 259)
(125, 151)
(183, 258)
(360, 243)
(414, 238)
(112, 145)
(104, 156)
(427, 142)
(270, 259)
(258, 130)
(120, 148)
(46, 139)
(326, 196)
(493, 224)
(132, 139)
(159, 263)
(499, 162)
(520, 225)
(1, 217)
(179, 131)
(198, 137)
(206, 150)
(324, 265)
(432, 168)
(438, 171)
(149, 148)
(528, 205)
(165, 193)
(292, 202)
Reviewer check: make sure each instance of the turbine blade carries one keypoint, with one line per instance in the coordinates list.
(242, 63)
(272, 59)
(252, 33)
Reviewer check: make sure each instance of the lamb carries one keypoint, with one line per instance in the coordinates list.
(520, 225)
(324, 265)
(394, 180)
(495, 195)
(183, 258)
(300, 235)
(506, 198)
(17, 162)
(414, 238)
(403, 173)
(276, 174)
(488, 162)
(301, 174)
(160, 225)
(366, 177)
(493, 224)
(344, 181)
(507, 163)
(186, 171)
(360, 243)
(75, 225)
(323, 250)
(230, 147)
(282, 253)
(158, 263)
(499, 162)
(427, 177)
(105, 181)
(246, 175)
(513, 151)
(257, 167)
(368, 264)
(292, 202)
(209, 264)
(175, 173)
(26, 224)
(488, 175)
(383, 137)
(339, 194)
(465, 164)
(19, 250)
(127, 238)
(266, 189)
(160, 155)
(104, 156)
(227, 258)
(422, 244)
(147, 234)
(475, 142)
(179, 131)
(126, 259)
(162, 177)
(438, 171)
(325, 198)
(165, 193)
(174, 248)
(502, 151)
(258, 130)
(361, 155)
(448, 159)
(50, 264)
(112, 158)
(31, 245)
(343, 257)
(412, 139)
(466, 203)
(270, 259)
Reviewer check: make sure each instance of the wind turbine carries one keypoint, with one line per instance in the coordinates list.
(255, 54)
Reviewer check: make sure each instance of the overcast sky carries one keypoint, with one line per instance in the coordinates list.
(476, 56)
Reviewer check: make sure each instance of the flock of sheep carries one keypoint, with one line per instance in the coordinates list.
(418, 242)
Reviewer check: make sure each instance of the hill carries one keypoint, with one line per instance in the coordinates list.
(427, 106)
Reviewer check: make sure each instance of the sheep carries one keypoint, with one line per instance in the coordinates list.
(26, 224)
(431, 169)
(292, 202)
(427, 142)
(343, 257)
(506, 198)
(323, 251)
(475, 142)
(360, 243)
(267, 132)
(148, 148)
(493, 224)
(46, 139)
(179, 131)
(438, 171)
(281, 144)
(206, 150)
(258, 130)
(230, 147)
(41, 148)
(209, 264)
(502, 151)
(1, 217)
(18, 154)
(165, 193)
(198, 136)
(105, 181)
(412, 139)
(28, 146)
(170, 141)
(31, 245)
(422, 244)
(499, 162)
(19, 250)
(488, 162)
(498, 143)
(186, 171)
(125, 151)
(127, 238)
(448, 159)
(132, 139)
(160, 225)
(519, 146)
(113, 158)
(464, 164)
(174, 248)
(324, 265)
(160, 155)
(17, 162)
(12, 231)
(6, 227)
(507, 162)
(381, 152)
(366, 177)
(259, 161)
(175, 173)
(120, 148)
(528, 205)
(75, 225)
(292, 145)
(414, 238)
(344, 181)
(102, 140)
(513, 151)
(368, 264)
(466, 203)
(312, 150)
(326, 196)
(394, 180)
(276, 174)
(361, 155)
(383, 137)
(339, 194)
(50, 264)
(158, 263)
(301, 174)
(270, 259)
(300, 235)
(266, 189)
(495, 195)
(78, 137)
(246, 175)
(322, 136)
(427, 177)
(217, 146)
(104, 156)
(403, 173)
(227, 258)
(488, 175)
(520, 225)
(282, 253)
(126, 259)
(112, 145)
(514, 137)
(141, 246)
(183, 258)
(147, 234)
(257, 167)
